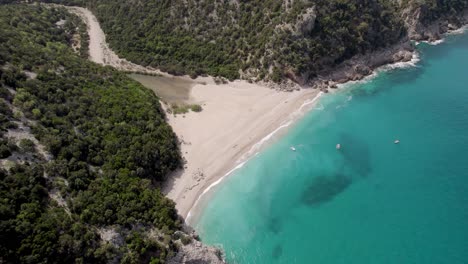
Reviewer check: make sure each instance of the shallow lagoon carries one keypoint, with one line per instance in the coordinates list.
(169, 89)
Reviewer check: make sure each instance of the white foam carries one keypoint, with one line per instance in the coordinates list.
(458, 31)
(320, 108)
(433, 43)
(309, 102)
(401, 65)
(260, 143)
(213, 185)
(440, 41)
(293, 117)
(241, 162)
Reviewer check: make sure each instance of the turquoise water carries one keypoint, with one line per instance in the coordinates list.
(372, 201)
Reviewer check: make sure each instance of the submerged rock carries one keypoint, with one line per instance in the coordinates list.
(277, 251)
(323, 189)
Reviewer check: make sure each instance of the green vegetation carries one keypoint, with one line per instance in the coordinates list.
(110, 143)
(97, 200)
(27, 146)
(435, 9)
(264, 39)
(184, 108)
(267, 39)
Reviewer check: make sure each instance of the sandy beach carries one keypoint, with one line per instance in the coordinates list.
(236, 116)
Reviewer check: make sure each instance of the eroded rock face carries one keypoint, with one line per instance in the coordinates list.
(421, 29)
(306, 24)
(197, 253)
(403, 55)
(362, 65)
(362, 69)
(192, 251)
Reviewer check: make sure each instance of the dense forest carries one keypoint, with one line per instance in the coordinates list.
(82, 187)
(257, 40)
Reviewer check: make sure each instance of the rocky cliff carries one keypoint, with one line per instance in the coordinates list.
(429, 24)
(192, 251)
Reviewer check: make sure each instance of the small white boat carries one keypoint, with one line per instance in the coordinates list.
(338, 146)
(293, 148)
(396, 141)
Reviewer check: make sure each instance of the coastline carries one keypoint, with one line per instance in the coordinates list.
(254, 150)
(306, 107)
(238, 112)
(245, 115)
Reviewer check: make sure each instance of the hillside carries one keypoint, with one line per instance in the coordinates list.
(429, 19)
(259, 40)
(83, 149)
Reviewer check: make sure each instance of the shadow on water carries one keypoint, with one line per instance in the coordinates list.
(323, 189)
(274, 224)
(356, 161)
(277, 251)
(356, 154)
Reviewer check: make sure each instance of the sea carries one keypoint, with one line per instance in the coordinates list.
(371, 200)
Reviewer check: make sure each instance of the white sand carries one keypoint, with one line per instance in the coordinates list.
(235, 117)
(99, 50)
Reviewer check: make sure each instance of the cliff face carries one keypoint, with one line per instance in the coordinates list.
(423, 20)
(191, 251)
(430, 20)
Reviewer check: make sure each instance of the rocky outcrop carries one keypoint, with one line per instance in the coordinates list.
(306, 23)
(192, 251)
(420, 28)
(361, 66)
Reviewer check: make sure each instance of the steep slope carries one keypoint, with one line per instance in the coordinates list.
(83, 149)
(265, 40)
(249, 39)
(429, 19)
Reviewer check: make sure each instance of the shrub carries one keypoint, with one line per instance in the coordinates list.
(27, 145)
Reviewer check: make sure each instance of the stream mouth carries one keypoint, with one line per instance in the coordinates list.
(168, 89)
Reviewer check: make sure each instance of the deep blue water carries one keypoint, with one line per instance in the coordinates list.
(372, 201)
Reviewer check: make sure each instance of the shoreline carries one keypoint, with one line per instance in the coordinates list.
(238, 112)
(255, 149)
(195, 210)
(244, 115)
